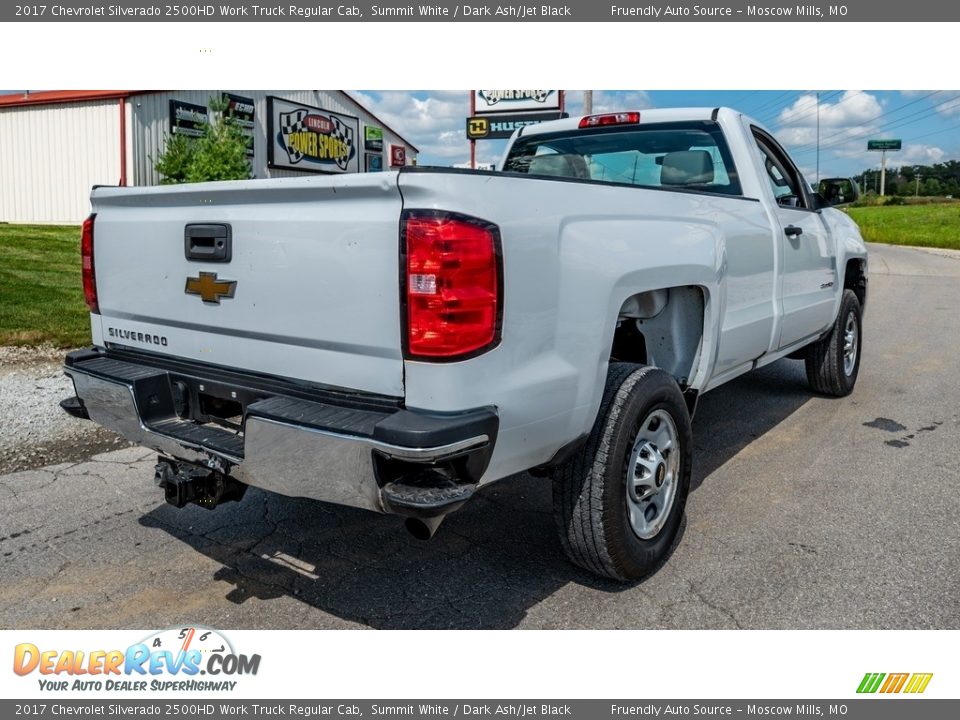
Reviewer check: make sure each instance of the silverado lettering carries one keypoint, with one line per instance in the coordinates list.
(137, 336)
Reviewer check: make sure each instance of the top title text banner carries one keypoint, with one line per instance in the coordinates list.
(447, 11)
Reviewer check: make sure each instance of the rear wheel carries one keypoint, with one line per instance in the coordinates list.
(833, 363)
(618, 503)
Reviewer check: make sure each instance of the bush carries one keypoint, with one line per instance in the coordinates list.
(219, 154)
(176, 159)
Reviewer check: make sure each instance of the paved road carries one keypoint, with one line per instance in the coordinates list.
(806, 513)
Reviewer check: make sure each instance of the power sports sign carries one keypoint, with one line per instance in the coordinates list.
(311, 139)
(488, 102)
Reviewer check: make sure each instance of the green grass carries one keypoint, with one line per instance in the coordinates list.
(923, 225)
(41, 295)
(41, 292)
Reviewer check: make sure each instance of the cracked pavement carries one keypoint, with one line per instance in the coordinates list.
(805, 512)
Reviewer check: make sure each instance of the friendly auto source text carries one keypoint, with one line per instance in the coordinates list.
(656, 11)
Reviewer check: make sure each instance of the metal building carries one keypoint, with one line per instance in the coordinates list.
(56, 145)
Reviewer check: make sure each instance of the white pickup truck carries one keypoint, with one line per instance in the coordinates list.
(395, 341)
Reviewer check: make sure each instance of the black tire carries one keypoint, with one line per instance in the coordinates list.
(827, 370)
(590, 494)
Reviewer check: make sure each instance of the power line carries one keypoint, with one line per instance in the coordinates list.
(819, 107)
(814, 106)
(892, 111)
(900, 122)
(770, 103)
(805, 147)
(935, 132)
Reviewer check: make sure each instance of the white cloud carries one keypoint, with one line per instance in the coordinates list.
(944, 102)
(917, 155)
(608, 101)
(948, 103)
(436, 123)
(854, 107)
(845, 123)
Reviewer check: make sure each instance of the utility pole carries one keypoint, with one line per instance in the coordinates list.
(473, 143)
(818, 137)
(588, 102)
(883, 172)
(916, 192)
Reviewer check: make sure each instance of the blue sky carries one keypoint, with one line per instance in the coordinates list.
(927, 121)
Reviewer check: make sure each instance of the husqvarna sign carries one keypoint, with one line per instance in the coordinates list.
(487, 102)
(502, 126)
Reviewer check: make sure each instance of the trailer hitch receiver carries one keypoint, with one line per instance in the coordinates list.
(183, 483)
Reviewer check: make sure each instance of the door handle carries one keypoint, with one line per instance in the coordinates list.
(209, 243)
(793, 230)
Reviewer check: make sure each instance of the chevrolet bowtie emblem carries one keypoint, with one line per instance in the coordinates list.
(209, 288)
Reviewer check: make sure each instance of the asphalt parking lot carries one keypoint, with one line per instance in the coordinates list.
(805, 512)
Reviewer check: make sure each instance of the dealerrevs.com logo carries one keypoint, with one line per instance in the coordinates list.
(910, 683)
(173, 659)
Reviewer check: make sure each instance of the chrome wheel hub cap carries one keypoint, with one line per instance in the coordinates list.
(652, 474)
(850, 344)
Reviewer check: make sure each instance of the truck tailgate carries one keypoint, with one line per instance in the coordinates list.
(315, 267)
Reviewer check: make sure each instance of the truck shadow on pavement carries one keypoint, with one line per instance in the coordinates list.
(490, 564)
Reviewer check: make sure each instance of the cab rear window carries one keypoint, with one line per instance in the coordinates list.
(675, 156)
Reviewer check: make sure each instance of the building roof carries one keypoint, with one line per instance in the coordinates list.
(51, 97)
(360, 104)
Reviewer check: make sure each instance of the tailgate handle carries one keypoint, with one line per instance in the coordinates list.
(209, 243)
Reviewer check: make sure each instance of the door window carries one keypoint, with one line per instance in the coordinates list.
(785, 180)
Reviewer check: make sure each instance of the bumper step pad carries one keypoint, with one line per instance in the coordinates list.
(426, 495)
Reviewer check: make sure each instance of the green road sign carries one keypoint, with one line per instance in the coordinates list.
(884, 144)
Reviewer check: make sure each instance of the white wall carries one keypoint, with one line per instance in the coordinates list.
(50, 157)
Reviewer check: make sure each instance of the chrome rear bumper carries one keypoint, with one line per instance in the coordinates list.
(292, 446)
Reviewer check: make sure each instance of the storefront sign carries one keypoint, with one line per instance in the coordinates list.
(242, 110)
(303, 137)
(372, 139)
(487, 102)
(374, 162)
(398, 156)
(187, 119)
(502, 126)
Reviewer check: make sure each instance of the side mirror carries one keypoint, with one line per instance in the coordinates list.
(838, 191)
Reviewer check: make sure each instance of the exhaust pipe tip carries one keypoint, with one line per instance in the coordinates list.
(423, 528)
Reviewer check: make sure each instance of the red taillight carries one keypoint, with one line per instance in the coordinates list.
(86, 258)
(623, 118)
(453, 285)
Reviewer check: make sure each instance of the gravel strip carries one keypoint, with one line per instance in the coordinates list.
(34, 431)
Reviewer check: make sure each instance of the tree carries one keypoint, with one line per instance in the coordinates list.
(935, 180)
(220, 153)
(175, 161)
